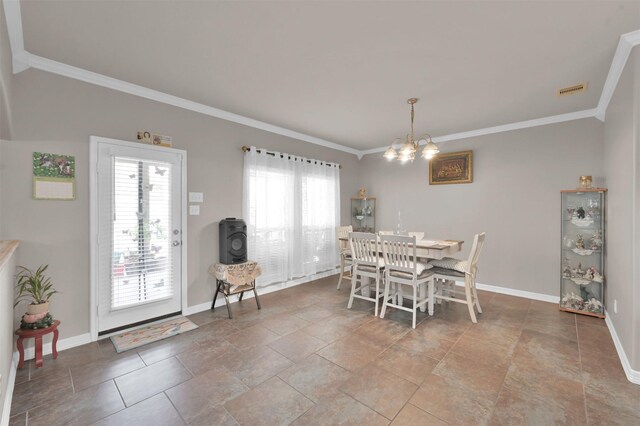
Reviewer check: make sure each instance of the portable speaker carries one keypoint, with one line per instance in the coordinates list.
(233, 241)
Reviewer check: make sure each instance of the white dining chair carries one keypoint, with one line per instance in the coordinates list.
(367, 264)
(402, 269)
(448, 270)
(342, 235)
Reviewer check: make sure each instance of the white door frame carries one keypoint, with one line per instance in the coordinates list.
(93, 223)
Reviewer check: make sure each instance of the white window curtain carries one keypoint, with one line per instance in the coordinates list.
(292, 207)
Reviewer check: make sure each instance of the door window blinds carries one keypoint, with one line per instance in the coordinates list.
(141, 265)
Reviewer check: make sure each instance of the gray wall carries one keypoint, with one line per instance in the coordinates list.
(622, 170)
(514, 198)
(56, 114)
(5, 79)
(5, 94)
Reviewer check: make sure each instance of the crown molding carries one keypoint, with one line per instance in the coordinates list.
(626, 43)
(86, 76)
(587, 113)
(13, 17)
(22, 60)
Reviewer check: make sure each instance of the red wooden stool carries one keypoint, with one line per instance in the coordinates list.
(25, 333)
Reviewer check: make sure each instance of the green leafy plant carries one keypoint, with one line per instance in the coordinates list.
(33, 285)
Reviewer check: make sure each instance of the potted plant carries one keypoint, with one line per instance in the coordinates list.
(34, 286)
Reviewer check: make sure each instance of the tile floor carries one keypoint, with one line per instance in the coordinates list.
(305, 359)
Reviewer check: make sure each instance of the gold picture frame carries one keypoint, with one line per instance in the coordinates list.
(450, 168)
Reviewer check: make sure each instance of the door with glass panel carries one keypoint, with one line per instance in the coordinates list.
(139, 234)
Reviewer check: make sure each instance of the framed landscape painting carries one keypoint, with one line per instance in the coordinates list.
(454, 167)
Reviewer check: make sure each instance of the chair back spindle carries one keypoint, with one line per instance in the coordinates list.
(399, 253)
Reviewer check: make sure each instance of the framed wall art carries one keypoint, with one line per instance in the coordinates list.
(454, 167)
(54, 176)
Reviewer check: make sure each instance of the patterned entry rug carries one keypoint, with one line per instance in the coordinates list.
(152, 333)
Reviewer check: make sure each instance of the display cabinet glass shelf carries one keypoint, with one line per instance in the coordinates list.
(582, 277)
(363, 214)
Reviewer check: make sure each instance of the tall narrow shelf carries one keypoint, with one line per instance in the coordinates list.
(582, 275)
(363, 214)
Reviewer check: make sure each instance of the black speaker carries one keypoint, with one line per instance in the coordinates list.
(233, 241)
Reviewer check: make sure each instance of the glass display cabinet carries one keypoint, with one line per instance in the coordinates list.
(583, 227)
(363, 214)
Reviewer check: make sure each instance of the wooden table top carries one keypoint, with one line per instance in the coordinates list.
(432, 244)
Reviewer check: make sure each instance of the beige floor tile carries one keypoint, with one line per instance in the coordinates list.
(452, 403)
(79, 408)
(485, 379)
(88, 375)
(379, 390)
(406, 363)
(250, 337)
(383, 331)
(205, 356)
(166, 348)
(148, 381)
(202, 396)
(156, 411)
(341, 410)
(256, 365)
(272, 403)
(316, 377)
(515, 407)
(352, 352)
(284, 324)
(411, 415)
(297, 345)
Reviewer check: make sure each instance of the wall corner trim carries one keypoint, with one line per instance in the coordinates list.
(632, 375)
(8, 396)
(626, 43)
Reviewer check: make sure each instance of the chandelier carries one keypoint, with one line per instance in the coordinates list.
(409, 147)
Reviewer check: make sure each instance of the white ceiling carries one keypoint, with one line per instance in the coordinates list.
(342, 71)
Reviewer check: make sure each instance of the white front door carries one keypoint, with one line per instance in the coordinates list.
(138, 266)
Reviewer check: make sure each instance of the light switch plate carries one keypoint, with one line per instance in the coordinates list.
(194, 210)
(196, 197)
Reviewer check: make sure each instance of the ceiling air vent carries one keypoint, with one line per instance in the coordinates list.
(572, 89)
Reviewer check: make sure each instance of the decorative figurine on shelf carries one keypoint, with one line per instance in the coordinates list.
(579, 242)
(594, 305)
(595, 275)
(566, 270)
(581, 213)
(362, 193)
(596, 240)
(585, 182)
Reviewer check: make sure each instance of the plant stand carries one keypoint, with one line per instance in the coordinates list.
(24, 333)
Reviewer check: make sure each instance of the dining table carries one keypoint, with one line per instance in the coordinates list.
(426, 250)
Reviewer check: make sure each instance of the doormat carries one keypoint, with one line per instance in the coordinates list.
(152, 333)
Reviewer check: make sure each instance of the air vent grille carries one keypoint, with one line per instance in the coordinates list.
(565, 91)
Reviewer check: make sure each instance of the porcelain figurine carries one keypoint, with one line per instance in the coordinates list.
(596, 240)
(579, 242)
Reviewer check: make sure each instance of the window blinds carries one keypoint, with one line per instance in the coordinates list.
(141, 269)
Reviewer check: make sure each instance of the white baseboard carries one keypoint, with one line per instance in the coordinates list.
(263, 290)
(632, 375)
(68, 343)
(8, 396)
(515, 292)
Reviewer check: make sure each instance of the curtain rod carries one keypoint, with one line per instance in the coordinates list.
(246, 149)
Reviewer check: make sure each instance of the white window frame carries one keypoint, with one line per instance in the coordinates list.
(93, 223)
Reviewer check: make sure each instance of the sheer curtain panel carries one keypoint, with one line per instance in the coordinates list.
(292, 207)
